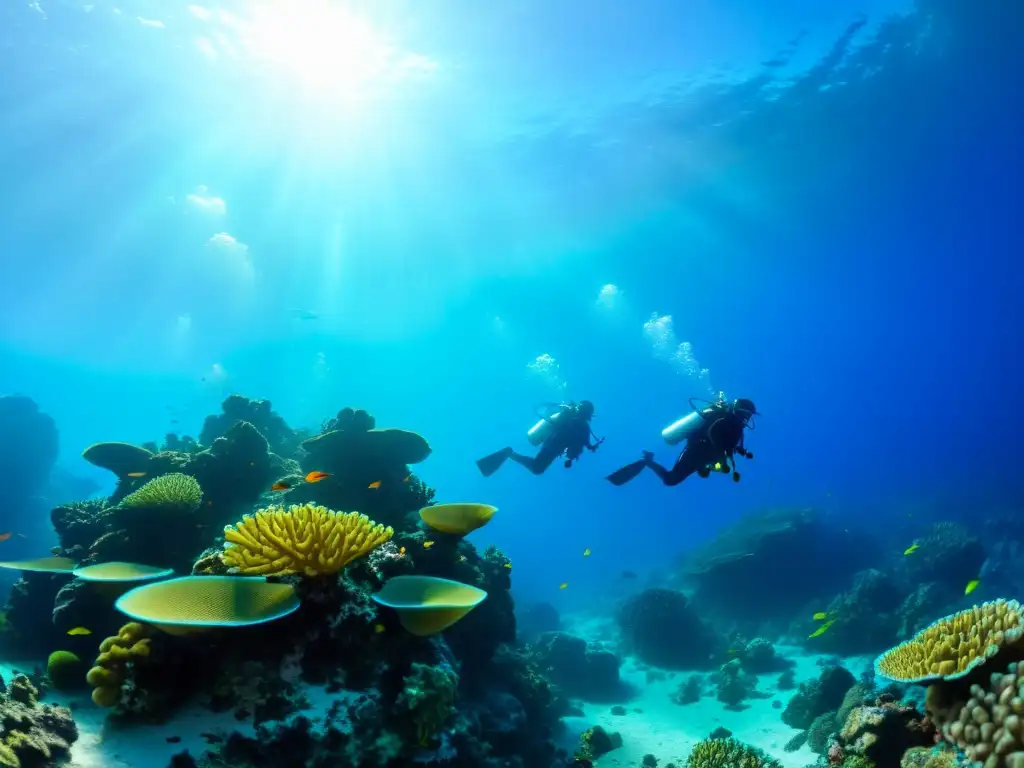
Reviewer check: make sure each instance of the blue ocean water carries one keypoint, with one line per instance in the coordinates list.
(448, 213)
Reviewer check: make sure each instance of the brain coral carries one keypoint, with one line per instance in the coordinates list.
(173, 491)
(309, 540)
(953, 646)
(989, 728)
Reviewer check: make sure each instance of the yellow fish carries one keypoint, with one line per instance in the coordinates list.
(820, 616)
(586, 552)
(822, 629)
(428, 544)
(79, 631)
(375, 484)
(401, 551)
(509, 566)
(563, 585)
(378, 628)
(971, 586)
(911, 549)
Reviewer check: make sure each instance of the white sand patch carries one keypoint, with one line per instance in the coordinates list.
(669, 730)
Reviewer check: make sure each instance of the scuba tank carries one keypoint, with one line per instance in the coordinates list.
(683, 429)
(542, 430)
(687, 426)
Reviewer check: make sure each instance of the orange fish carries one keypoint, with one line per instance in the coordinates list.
(136, 474)
(316, 477)
(5, 536)
(374, 484)
(280, 486)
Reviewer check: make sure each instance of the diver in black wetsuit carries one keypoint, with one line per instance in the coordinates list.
(716, 436)
(569, 434)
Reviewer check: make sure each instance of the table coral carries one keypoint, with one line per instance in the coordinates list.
(307, 540)
(955, 645)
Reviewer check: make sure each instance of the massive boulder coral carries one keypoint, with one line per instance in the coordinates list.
(579, 668)
(661, 628)
(989, 726)
(816, 697)
(736, 575)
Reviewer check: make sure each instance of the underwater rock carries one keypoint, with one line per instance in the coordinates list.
(689, 691)
(865, 616)
(29, 444)
(596, 741)
(536, 619)
(922, 605)
(79, 523)
(661, 628)
(818, 697)
(759, 657)
(737, 578)
(579, 669)
(29, 613)
(734, 685)
(949, 554)
(260, 414)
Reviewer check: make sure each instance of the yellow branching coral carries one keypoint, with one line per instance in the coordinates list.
(309, 540)
(129, 644)
(954, 645)
(174, 491)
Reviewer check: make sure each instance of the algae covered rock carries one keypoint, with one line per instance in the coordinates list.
(578, 668)
(817, 697)
(661, 628)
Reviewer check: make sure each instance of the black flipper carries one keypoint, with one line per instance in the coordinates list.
(490, 464)
(627, 473)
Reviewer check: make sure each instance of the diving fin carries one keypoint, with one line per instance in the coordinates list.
(627, 473)
(490, 464)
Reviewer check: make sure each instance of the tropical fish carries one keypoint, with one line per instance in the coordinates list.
(375, 484)
(971, 586)
(316, 477)
(586, 552)
(563, 585)
(5, 536)
(378, 628)
(822, 629)
(911, 549)
(280, 486)
(401, 551)
(136, 474)
(462, 558)
(509, 566)
(79, 631)
(820, 616)
(428, 544)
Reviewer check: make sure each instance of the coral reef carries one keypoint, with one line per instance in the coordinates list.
(864, 617)
(110, 669)
(882, 733)
(33, 735)
(652, 624)
(728, 753)
(689, 691)
(759, 657)
(735, 685)
(817, 697)
(260, 413)
(596, 741)
(948, 554)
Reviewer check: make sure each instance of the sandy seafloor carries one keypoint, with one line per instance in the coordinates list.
(653, 723)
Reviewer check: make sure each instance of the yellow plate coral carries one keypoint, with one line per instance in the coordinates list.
(427, 605)
(459, 519)
(42, 565)
(187, 603)
(954, 645)
(309, 540)
(116, 571)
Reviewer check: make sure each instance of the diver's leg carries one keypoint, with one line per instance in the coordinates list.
(672, 476)
(539, 463)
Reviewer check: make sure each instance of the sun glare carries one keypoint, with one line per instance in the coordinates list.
(326, 50)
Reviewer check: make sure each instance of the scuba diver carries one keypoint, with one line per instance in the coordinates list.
(712, 436)
(564, 433)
